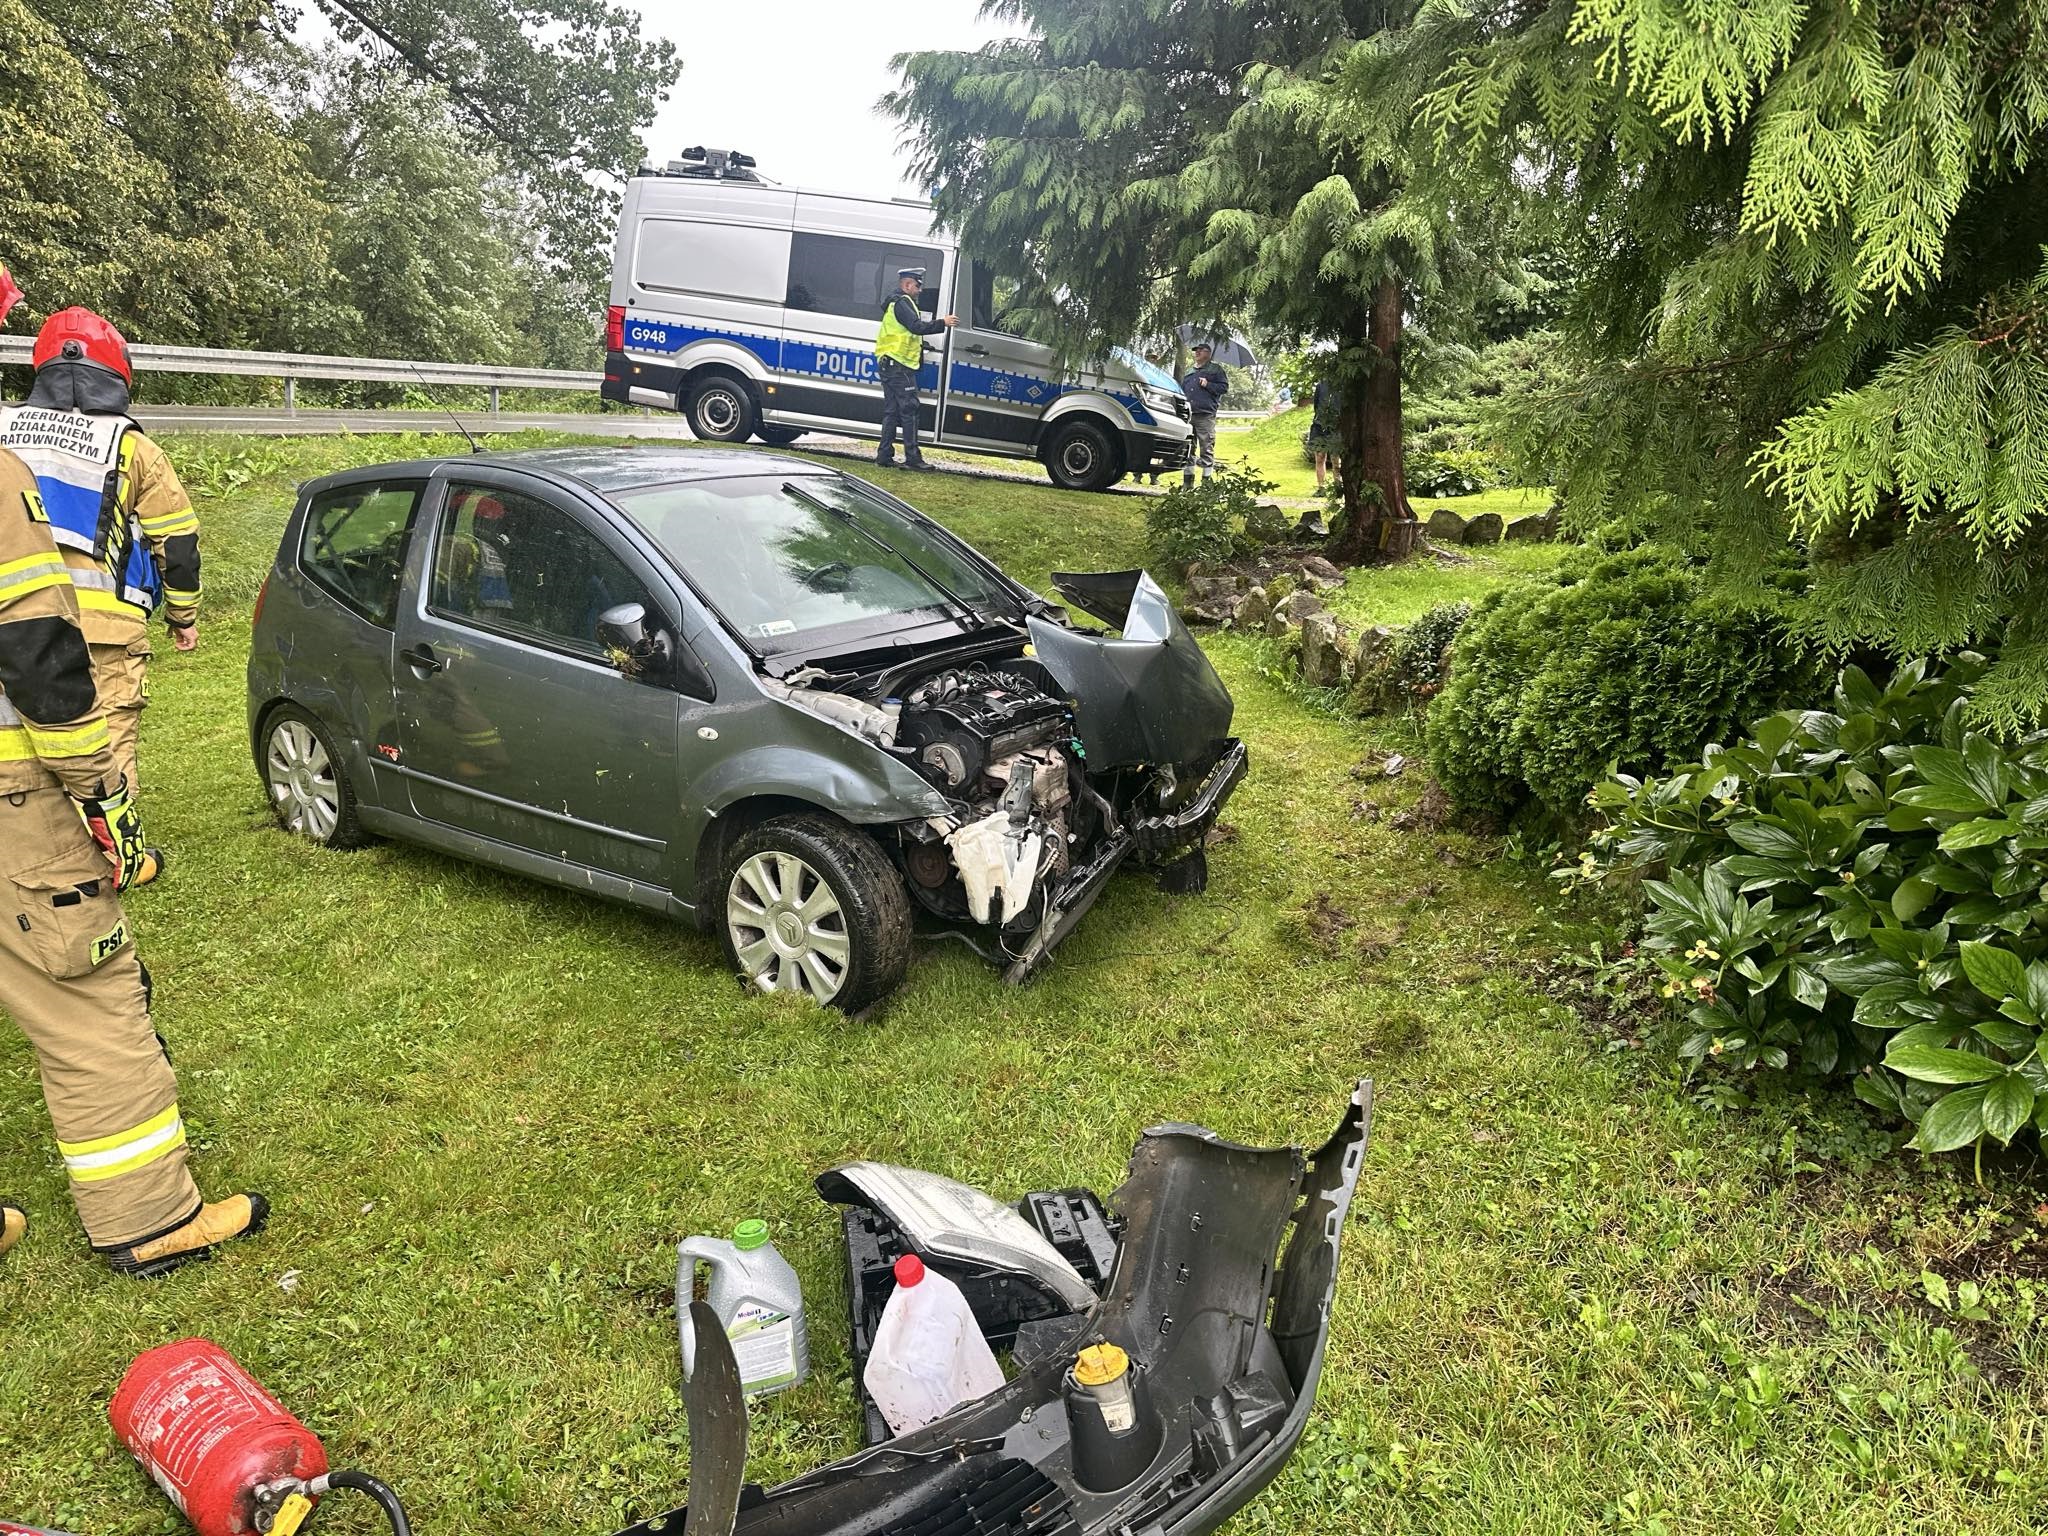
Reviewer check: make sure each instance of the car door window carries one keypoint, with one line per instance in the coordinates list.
(353, 545)
(840, 275)
(517, 565)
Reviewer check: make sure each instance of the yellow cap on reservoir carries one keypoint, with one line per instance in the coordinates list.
(1100, 1364)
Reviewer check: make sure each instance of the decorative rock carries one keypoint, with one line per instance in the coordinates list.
(1376, 672)
(1486, 528)
(1253, 609)
(1446, 526)
(1206, 590)
(1320, 572)
(1323, 663)
(1216, 611)
(1293, 612)
(1266, 524)
(1539, 526)
(1312, 525)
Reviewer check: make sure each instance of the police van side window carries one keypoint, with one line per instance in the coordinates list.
(839, 275)
(353, 546)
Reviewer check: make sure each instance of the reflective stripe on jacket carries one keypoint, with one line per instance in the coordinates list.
(84, 467)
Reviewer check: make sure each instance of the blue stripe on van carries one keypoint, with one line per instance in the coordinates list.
(858, 365)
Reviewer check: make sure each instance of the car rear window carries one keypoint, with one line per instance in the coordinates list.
(353, 544)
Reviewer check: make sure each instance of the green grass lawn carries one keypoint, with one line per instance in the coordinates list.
(1573, 1297)
(1273, 448)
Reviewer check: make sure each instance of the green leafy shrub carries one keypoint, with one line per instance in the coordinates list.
(1419, 652)
(1624, 660)
(1205, 521)
(1859, 892)
(1451, 471)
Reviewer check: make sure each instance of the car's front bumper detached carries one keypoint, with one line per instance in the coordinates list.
(1224, 1330)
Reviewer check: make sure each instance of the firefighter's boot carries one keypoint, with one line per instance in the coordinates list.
(236, 1216)
(13, 1222)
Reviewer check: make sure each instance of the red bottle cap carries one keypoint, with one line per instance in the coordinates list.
(909, 1269)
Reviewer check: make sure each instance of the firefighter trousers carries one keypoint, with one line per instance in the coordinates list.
(70, 978)
(121, 673)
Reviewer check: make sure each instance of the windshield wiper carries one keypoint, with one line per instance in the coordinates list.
(962, 611)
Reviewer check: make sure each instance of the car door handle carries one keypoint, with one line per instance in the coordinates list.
(421, 659)
(976, 351)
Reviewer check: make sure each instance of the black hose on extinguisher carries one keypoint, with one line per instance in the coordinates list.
(387, 1501)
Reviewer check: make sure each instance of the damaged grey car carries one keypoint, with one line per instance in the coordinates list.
(1208, 1285)
(736, 688)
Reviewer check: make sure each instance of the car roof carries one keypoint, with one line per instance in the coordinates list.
(603, 468)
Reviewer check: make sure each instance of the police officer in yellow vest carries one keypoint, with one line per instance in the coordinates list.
(70, 840)
(900, 347)
(121, 518)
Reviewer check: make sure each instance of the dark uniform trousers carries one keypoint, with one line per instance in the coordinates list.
(899, 410)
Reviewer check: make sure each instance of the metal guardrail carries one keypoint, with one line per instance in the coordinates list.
(294, 366)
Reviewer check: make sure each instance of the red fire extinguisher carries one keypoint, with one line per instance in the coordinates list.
(227, 1452)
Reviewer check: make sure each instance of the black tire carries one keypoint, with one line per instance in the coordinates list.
(306, 780)
(778, 437)
(872, 911)
(721, 409)
(1081, 457)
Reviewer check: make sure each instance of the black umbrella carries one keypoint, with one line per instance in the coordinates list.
(1231, 350)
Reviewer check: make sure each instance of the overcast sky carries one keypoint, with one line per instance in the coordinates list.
(794, 83)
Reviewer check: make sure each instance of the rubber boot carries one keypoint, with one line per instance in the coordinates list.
(236, 1216)
(13, 1222)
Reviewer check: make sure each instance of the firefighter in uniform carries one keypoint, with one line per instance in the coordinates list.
(125, 525)
(900, 348)
(70, 839)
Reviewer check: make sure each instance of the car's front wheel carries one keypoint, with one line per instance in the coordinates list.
(307, 784)
(813, 907)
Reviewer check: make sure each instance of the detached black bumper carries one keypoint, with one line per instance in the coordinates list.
(1220, 1298)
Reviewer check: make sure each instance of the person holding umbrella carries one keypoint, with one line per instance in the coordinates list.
(1205, 386)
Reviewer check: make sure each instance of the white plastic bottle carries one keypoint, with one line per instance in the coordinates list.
(929, 1355)
(757, 1296)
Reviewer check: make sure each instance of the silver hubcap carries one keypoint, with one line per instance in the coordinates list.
(302, 782)
(787, 927)
(1078, 457)
(719, 411)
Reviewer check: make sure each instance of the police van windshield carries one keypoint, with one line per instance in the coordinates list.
(803, 564)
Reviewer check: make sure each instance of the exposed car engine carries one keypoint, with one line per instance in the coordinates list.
(1000, 743)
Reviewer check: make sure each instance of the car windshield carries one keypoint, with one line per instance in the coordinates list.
(798, 563)
(1151, 373)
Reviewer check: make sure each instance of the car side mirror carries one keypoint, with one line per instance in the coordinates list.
(651, 655)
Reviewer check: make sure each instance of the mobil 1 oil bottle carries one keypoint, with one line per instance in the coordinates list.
(756, 1295)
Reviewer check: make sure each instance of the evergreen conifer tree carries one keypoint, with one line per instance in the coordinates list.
(1808, 247)
(1139, 163)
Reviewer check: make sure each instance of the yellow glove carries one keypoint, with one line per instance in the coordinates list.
(116, 825)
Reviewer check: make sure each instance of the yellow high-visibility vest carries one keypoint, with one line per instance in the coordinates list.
(896, 341)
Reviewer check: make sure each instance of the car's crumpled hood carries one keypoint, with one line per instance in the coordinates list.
(1150, 696)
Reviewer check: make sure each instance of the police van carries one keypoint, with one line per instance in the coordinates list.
(752, 308)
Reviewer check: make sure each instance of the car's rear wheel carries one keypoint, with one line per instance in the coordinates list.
(721, 409)
(813, 907)
(309, 789)
(1080, 457)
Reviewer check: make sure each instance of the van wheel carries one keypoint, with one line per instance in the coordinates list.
(721, 410)
(814, 908)
(1080, 457)
(777, 437)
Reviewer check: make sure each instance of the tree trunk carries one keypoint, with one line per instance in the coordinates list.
(1375, 485)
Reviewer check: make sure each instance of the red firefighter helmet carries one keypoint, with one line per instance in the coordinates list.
(77, 335)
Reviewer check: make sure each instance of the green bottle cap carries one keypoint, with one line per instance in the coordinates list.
(752, 1233)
